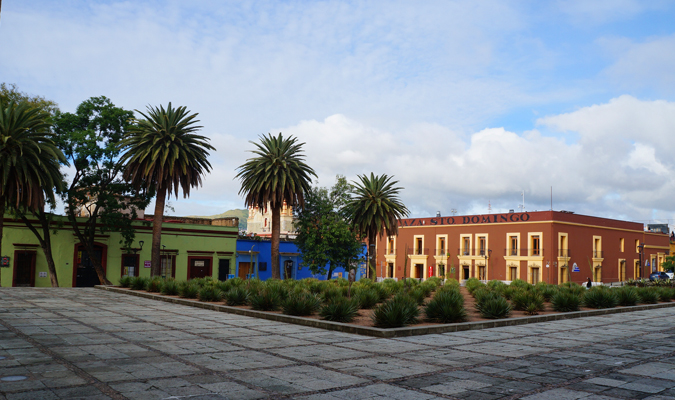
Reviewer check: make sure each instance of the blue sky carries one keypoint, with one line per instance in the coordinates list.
(464, 102)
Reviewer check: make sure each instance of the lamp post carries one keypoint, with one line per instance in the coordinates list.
(641, 247)
(250, 256)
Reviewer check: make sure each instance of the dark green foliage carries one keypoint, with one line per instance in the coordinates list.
(210, 293)
(496, 285)
(598, 297)
(236, 296)
(545, 290)
(519, 283)
(332, 293)
(188, 290)
(665, 293)
(367, 298)
(627, 296)
(446, 307)
(533, 308)
(648, 295)
(399, 311)
(125, 281)
(154, 284)
(418, 294)
(527, 299)
(565, 301)
(494, 307)
(383, 292)
(472, 284)
(169, 287)
(483, 294)
(301, 304)
(340, 309)
(267, 300)
(139, 283)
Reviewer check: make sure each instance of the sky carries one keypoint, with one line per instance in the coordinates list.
(470, 105)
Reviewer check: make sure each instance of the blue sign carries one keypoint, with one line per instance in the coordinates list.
(575, 268)
(647, 263)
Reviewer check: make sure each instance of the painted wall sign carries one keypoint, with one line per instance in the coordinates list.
(146, 264)
(470, 219)
(575, 268)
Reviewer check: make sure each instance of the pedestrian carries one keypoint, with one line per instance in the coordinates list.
(588, 283)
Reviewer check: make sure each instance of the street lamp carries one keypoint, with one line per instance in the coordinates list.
(487, 255)
(641, 247)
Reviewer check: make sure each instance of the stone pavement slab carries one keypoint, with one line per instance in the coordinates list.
(93, 344)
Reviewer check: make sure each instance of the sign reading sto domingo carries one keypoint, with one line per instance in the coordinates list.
(467, 219)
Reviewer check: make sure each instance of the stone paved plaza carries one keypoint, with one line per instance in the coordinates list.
(93, 344)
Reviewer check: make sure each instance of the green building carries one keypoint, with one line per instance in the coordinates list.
(191, 248)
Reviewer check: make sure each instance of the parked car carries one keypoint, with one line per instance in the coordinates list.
(658, 276)
(671, 275)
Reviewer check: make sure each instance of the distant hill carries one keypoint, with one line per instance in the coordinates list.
(241, 214)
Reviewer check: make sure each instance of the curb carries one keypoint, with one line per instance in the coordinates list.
(386, 333)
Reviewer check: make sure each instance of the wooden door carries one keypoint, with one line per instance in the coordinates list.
(200, 268)
(86, 274)
(24, 269)
(513, 273)
(244, 268)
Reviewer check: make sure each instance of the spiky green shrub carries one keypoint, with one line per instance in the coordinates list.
(546, 291)
(600, 298)
(648, 295)
(527, 299)
(154, 284)
(473, 284)
(451, 283)
(125, 281)
(627, 296)
(401, 310)
(494, 308)
(209, 293)
(267, 299)
(665, 293)
(340, 309)
(533, 308)
(574, 288)
(496, 285)
(331, 293)
(301, 304)
(367, 298)
(427, 287)
(483, 294)
(519, 283)
(446, 307)
(169, 287)
(236, 296)
(418, 294)
(383, 292)
(139, 283)
(188, 290)
(566, 301)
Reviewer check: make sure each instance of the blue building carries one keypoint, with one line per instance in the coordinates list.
(255, 256)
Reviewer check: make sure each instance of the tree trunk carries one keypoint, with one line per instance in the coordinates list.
(2, 227)
(155, 258)
(88, 247)
(330, 271)
(45, 242)
(276, 232)
(371, 253)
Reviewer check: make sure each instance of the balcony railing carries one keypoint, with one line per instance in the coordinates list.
(390, 252)
(418, 252)
(597, 253)
(564, 253)
(464, 252)
(523, 252)
(441, 252)
(511, 252)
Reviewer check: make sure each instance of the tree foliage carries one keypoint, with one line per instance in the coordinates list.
(90, 139)
(277, 175)
(163, 154)
(325, 236)
(375, 209)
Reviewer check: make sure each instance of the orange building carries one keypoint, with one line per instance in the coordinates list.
(548, 246)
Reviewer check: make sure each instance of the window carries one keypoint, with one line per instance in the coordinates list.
(168, 266)
(466, 246)
(391, 246)
(130, 264)
(637, 245)
(597, 247)
(419, 245)
(513, 242)
(262, 266)
(621, 243)
(481, 245)
(536, 247)
(441, 246)
(563, 250)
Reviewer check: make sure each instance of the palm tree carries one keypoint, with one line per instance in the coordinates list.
(375, 209)
(29, 163)
(163, 154)
(276, 176)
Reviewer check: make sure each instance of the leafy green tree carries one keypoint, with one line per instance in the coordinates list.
(325, 236)
(669, 263)
(90, 140)
(162, 154)
(29, 165)
(277, 175)
(10, 93)
(375, 209)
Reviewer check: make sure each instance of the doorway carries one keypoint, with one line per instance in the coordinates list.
(223, 269)
(199, 267)
(513, 273)
(419, 271)
(535, 276)
(24, 268)
(467, 273)
(244, 268)
(130, 264)
(563, 274)
(481, 273)
(391, 270)
(86, 275)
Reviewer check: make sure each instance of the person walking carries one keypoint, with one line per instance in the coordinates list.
(588, 283)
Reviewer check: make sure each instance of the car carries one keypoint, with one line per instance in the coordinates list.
(659, 276)
(671, 275)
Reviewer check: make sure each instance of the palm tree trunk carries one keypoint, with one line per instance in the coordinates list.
(276, 232)
(371, 253)
(2, 226)
(155, 258)
(45, 242)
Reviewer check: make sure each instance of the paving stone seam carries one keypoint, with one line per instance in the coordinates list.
(204, 370)
(91, 380)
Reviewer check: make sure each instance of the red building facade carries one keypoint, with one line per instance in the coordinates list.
(548, 246)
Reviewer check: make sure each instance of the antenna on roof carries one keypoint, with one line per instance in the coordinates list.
(522, 206)
(453, 211)
(489, 207)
